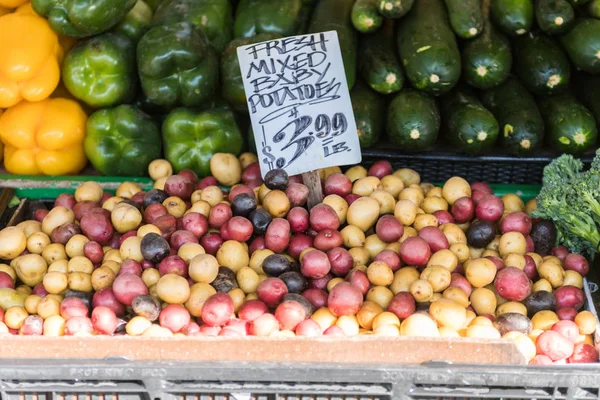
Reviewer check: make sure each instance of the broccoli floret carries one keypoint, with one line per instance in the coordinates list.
(596, 162)
(561, 169)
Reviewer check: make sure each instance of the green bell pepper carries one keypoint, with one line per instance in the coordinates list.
(232, 86)
(82, 18)
(101, 71)
(192, 137)
(136, 22)
(176, 65)
(122, 141)
(214, 17)
(282, 17)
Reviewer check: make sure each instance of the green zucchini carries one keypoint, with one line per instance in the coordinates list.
(487, 59)
(570, 126)
(594, 9)
(428, 48)
(521, 125)
(469, 125)
(582, 44)
(334, 15)
(578, 2)
(369, 109)
(587, 88)
(514, 17)
(413, 120)
(378, 63)
(554, 16)
(395, 8)
(365, 17)
(541, 64)
(466, 17)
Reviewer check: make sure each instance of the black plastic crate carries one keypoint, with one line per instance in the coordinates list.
(439, 165)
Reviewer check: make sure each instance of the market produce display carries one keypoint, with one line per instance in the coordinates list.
(383, 254)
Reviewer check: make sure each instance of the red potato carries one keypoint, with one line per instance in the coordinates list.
(560, 251)
(265, 325)
(127, 286)
(389, 229)
(73, 307)
(566, 313)
(104, 320)
(541, 359)
(298, 243)
(500, 263)
(224, 232)
(341, 261)
(219, 215)
(554, 345)
(583, 353)
(173, 265)
(102, 211)
(105, 196)
(65, 200)
(189, 175)
(167, 224)
(240, 189)
(211, 242)
(298, 219)
(577, 263)
(459, 281)
(323, 216)
(77, 326)
(6, 281)
(32, 326)
(315, 264)
(320, 283)
(126, 235)
(512, 284)
(175, 317)
(443, 217)
(40, 214)
(106, 298)
(217, 309)
(338, 183)
(309, 328)
(463, 210)
(489, 208)
(435, 238)
(334, 331)
(289, 314)
(130, 266)
(516, 222)
(206, 182)
(351, 198)
(63, 233)
(484, 187)
(178, 185)
(344, 299)
(93, 251)
(138, 199)
(569, 296)
(83, 207)
(271, 291)
(390, 257)
(191, 329)
(530, 268)
(415, 251)
(277, 237)
(297, 193)
(251, 172)
(380, 169)
(153, 211)
(360, 280)
(97, 228)
(195, 223)
(252, 309)
(328, 239)
(241, 326)
(403, 305)
(478, 195)
(40, 290)
(207, 330)
(568, 329)
(240, 229)
(316, 297)
(296, 179)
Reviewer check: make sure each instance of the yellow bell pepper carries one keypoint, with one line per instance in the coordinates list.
(12, 3)
(66, 42)
(1, 144)
(44, 137)
(4, 10)
(30, 57)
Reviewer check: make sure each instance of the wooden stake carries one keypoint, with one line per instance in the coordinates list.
(315, 191)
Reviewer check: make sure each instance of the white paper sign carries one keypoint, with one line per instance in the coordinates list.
(299, 103)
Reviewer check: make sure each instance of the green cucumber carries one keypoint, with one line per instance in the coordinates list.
(554, 16)
(487, 59)
(594, 9)
(514, 17)
(466, 17)
(521, 124)
(334, 15)
(395, 8)
(587, 88)
(469, 125)
(369, 110)
(541, 64)
(365, 17)
(378, 63)
(428, 48)
(413, 120)
(582, 44)
(570, 126)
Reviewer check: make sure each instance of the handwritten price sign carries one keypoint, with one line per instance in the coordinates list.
(299, 103)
